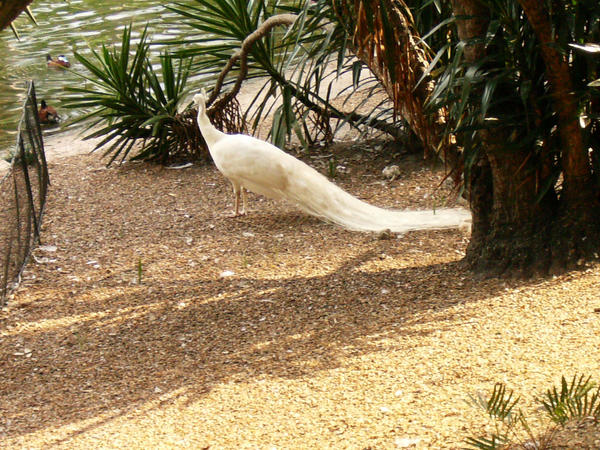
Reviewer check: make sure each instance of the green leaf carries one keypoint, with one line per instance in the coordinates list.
(499, 405)
(483, 443)
(486, 98)
(131, 99)
(442, 24)
(573, 400)
(432, 64)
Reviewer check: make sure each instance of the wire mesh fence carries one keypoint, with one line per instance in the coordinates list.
(23, 188)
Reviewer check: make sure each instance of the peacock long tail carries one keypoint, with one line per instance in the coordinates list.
(276, 174)
(265, 169)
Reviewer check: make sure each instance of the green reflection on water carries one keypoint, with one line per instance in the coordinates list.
(62, 27)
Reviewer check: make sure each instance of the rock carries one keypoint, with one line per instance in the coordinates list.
(47, 248)
(406, 442)
(391, 172)
(4, 166)
(385, 235)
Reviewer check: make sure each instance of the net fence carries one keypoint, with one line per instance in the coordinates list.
(23, 188)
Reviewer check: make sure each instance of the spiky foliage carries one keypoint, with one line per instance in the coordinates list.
(508, 87)
(575, 400)
(578, 399)
(499, 406)
(129, 102)
(384, 37)
(297, 64)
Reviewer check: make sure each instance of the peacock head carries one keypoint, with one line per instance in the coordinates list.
(200, 101)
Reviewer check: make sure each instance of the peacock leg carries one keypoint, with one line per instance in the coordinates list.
(244, 200)
(238, 192)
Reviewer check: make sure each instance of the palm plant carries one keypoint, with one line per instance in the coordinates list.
(506, 88)
(578, 399)
(298, 66)
(575, 400)
(129, 102)
(519, 113)
(9, 11)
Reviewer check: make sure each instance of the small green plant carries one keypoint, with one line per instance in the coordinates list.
(245, 261)
(499, 407)
(577, 400)
(574, 400)
(332, 168)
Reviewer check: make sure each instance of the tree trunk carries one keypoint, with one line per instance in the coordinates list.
(497, 186)
(522, 222)
(510, 232)
(576, 166)
(579, 204)
(10, 10)
(513, 230)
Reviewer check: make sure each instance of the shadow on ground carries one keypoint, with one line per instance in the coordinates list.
(83, 342)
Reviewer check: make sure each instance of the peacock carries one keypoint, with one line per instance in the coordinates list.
(255, 165)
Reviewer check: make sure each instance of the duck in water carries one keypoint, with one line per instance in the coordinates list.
(47, 114)
(60, 61)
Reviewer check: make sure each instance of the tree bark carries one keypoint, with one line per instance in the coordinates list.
(401, 78)
(509, 229)
(577, 171)
(472, 20)
(10, 10)
(514, 230)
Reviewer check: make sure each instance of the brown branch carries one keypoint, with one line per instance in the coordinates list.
(242, 56)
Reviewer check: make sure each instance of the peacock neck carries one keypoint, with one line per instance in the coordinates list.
(209, 132)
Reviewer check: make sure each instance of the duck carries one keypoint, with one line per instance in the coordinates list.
(60, 61)
(47, 114)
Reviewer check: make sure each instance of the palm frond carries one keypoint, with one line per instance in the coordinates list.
(500, 403)
(578, 399)
(133, 102)
(494, 442)
(302, 62)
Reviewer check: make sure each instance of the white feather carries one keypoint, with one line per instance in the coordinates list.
(265, 169)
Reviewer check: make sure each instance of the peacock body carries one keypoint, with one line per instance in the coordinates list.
(264, 169)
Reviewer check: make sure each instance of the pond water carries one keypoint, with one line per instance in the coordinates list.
(62, 27)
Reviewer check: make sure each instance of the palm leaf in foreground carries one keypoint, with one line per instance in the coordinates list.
(575, 400)
(128, 102)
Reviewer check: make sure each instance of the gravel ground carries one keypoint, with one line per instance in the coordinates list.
(150, 319)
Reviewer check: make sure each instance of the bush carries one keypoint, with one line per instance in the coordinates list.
(128, 102)
(573, 401)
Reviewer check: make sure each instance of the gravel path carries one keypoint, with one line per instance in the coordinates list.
(149, 319)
